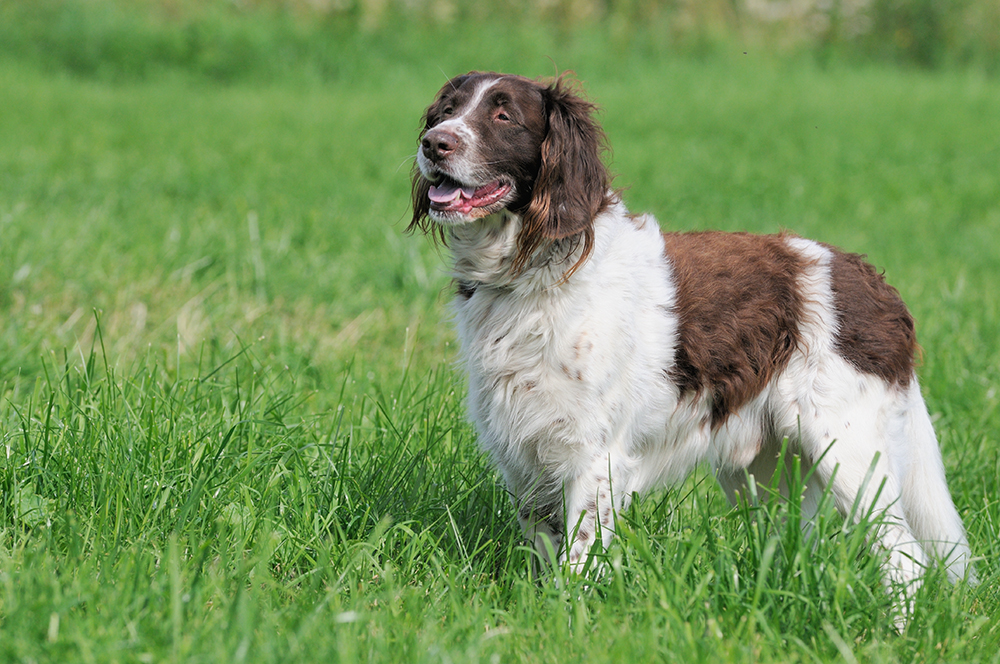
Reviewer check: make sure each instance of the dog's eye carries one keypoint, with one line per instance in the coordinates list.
(502, 117)
(448, 110)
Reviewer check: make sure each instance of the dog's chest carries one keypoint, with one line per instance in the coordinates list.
(558, 370)
(537, 344)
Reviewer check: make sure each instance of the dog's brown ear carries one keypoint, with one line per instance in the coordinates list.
(419, 189)
(573, 183)
(419, 186)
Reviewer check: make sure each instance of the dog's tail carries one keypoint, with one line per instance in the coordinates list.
(926, 501)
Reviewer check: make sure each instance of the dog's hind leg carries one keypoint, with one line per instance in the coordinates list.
(855, 437)
(925, 498)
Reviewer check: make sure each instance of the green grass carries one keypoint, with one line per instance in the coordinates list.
(232, 431)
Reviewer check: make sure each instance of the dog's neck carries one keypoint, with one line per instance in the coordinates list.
(484, 252)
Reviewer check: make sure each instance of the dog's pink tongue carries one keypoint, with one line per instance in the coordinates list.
(445, 193)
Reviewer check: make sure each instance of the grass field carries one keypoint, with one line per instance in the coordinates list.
(231, 426)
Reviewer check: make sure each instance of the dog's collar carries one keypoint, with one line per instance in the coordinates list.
(467, 288)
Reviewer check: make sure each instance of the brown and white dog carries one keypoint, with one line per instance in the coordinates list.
(605, 357)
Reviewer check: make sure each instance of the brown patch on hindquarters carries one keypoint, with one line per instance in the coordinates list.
(875, 330)
(738, 309)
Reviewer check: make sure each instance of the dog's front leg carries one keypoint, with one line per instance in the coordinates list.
(543, 527)
(590, 511)
(564, 522)
(590, 501)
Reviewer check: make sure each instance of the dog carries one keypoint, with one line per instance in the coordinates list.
(605, 357)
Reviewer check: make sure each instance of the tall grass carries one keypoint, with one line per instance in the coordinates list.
(150, 518)
(208, 517)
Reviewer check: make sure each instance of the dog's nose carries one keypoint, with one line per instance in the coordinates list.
(438, 144)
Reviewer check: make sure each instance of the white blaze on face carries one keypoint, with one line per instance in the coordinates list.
(460, 192)
(460, 167)
(458, 124)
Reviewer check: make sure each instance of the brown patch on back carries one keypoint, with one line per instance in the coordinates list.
(875, 331)
(738, 308)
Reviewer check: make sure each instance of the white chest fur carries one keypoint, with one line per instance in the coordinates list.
(563, 372)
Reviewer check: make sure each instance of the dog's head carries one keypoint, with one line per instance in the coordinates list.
(493, 142)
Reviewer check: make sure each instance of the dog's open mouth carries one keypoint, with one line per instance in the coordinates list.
(451, 196)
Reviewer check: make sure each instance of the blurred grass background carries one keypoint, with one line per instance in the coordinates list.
(230, 39)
